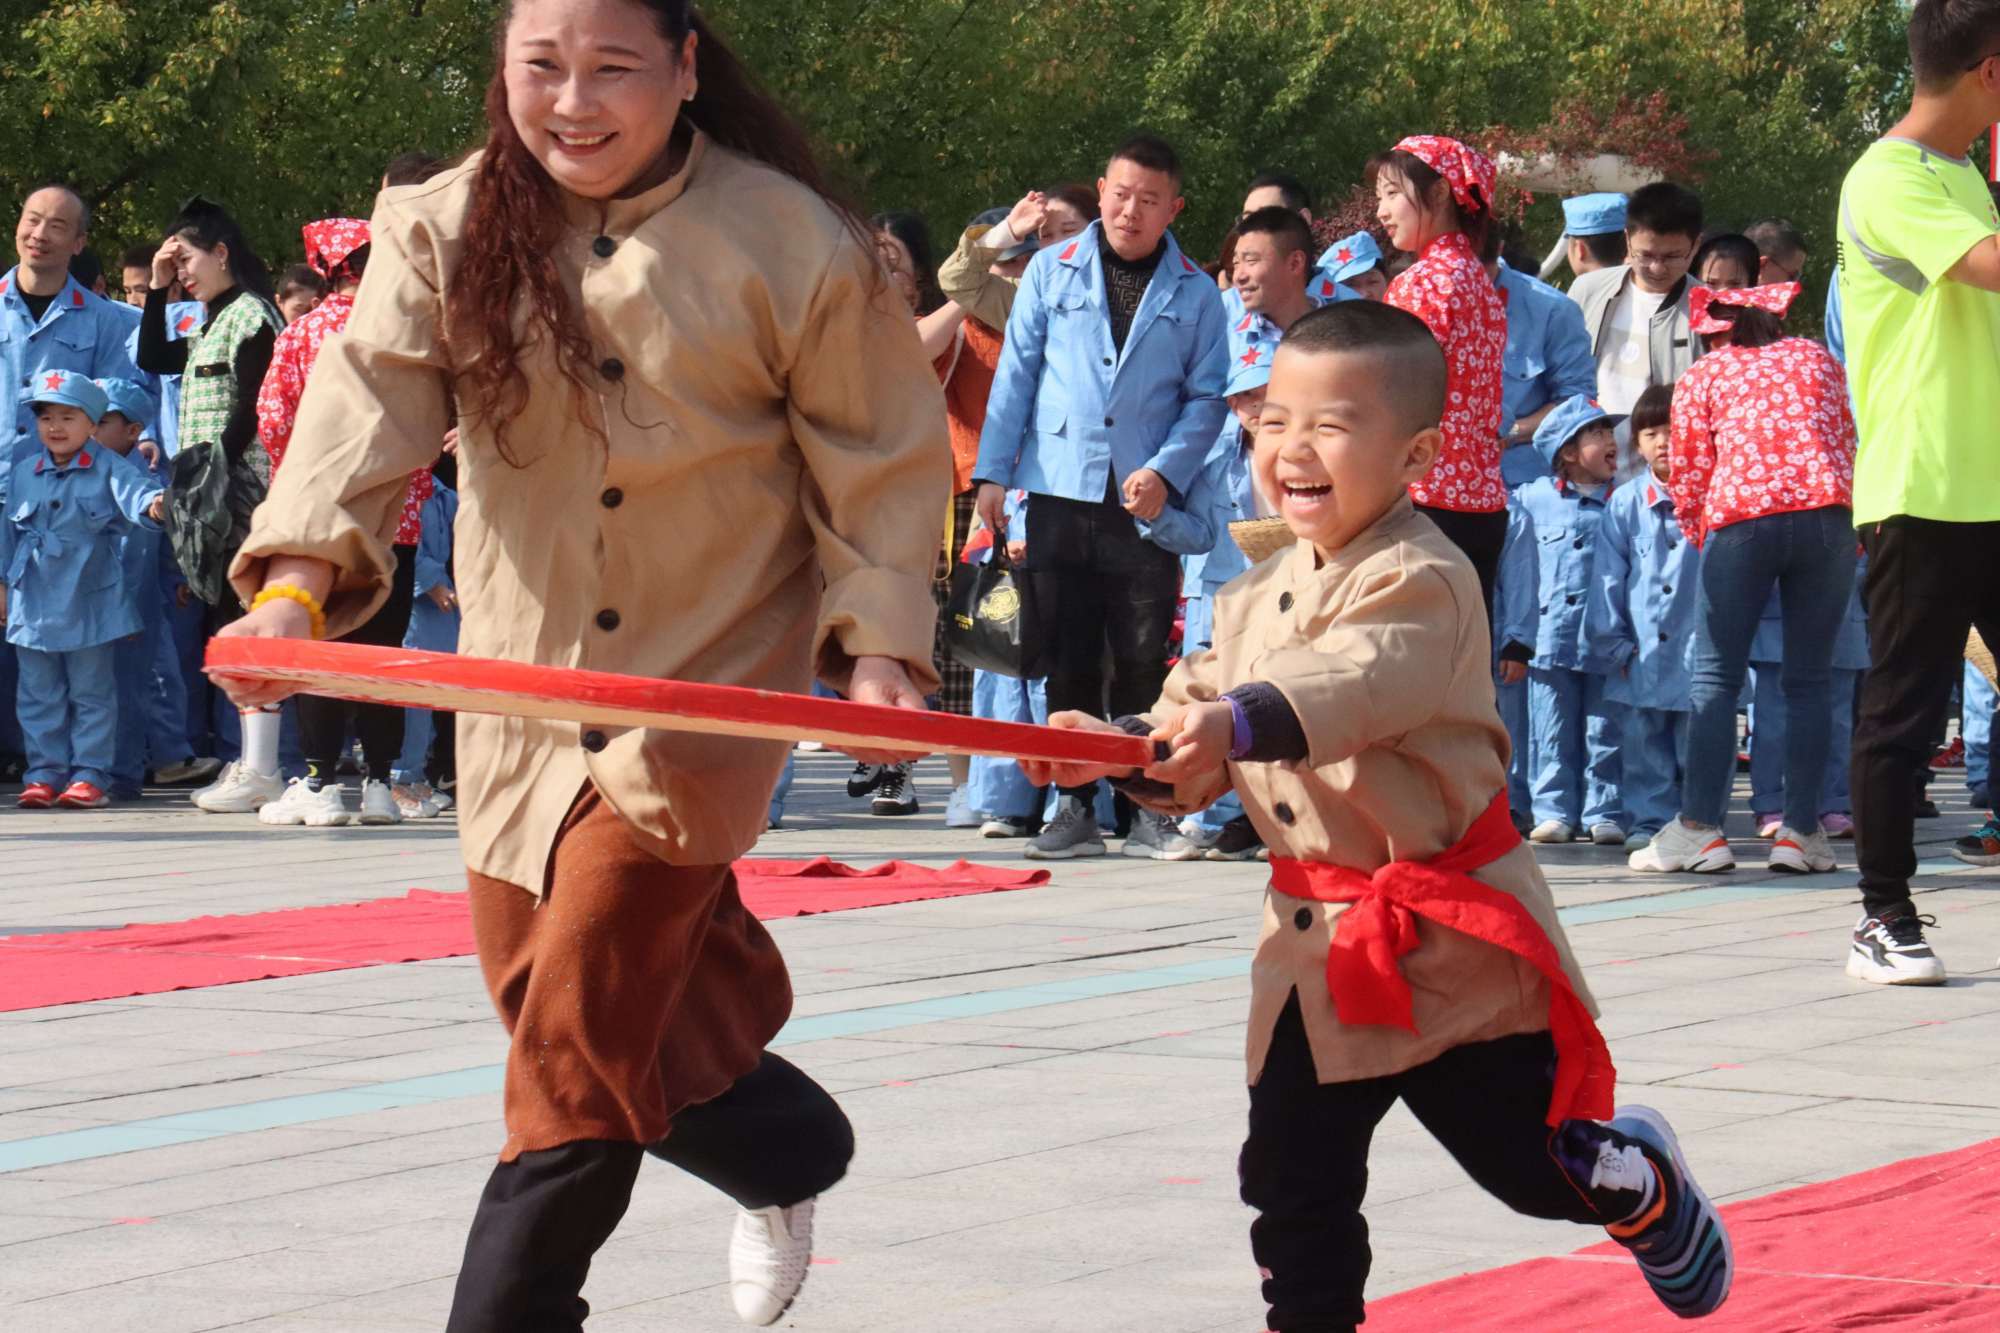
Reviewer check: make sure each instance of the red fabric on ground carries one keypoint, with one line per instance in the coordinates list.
(40, 970)
(1913, 1245)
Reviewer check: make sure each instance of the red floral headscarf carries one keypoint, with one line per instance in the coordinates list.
(1776, 297)
(1470, 173)
(330, 241)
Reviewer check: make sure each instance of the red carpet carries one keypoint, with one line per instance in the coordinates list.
(1913, 1245)
(39, 970)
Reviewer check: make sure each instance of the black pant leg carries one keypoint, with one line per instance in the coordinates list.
(1481, 537)
(541, 1219)
(773, 1139)
(1500, 1135)
(1067, 602)
(1921, 599)
(1304, 1168)
(1142, 585)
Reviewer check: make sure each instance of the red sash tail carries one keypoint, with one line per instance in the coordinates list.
(1363, 972)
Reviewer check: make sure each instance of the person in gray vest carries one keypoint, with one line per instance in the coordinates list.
(1637, 312)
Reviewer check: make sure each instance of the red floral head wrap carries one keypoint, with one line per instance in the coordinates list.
(330, 241)
(1776, 297)
(1469, 172)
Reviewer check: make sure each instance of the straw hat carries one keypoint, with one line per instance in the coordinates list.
(1977, 653)
(1262, 538)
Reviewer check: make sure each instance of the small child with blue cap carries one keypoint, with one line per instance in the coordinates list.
(68, 506)
(1356, 261)
(1574, 777)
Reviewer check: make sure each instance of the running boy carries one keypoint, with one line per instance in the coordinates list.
(1348, 701)
(66, 606)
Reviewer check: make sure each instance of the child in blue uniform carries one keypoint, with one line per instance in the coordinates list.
(1552, 545)
(434, 628)
(68, 507)
(1639, 621)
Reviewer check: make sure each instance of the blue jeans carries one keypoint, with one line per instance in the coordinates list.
(1513, 701)
(1809, 557)
(1767, 742)
(1976, 725)
(69, 714)
(1655, 752)
(1573, 748)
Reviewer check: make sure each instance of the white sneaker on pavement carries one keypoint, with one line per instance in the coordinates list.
(1551, 830)
(300, 804)
(1800, 853)
(1607, 834)
(415, 799)
(240, 791)
(1680, 848)
(225, 774)
(378, 804)
(769, 1254)
(1893, 951)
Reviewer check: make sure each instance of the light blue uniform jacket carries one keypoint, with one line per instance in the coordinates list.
(1639, 618)
(62, 547)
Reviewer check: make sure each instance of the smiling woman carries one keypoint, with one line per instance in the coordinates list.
(697, 440)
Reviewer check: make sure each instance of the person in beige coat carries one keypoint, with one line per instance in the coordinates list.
(697, 440)
(1410, 946)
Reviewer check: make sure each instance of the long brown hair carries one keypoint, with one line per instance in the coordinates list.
(516, 220)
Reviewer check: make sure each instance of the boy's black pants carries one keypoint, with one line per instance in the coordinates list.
(1928, 583)
(1305, 1164)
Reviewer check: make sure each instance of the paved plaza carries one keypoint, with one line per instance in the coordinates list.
(1046, 1085)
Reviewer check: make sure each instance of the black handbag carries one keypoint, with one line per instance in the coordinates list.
(989, 619)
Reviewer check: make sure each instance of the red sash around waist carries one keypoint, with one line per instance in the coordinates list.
(1362, 963)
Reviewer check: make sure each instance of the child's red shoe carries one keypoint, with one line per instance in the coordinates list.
(83, 796)
(36, 796)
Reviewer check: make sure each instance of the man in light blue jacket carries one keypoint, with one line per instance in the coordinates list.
(1108, 397)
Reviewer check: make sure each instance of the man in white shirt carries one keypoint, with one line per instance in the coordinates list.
(1637, 312)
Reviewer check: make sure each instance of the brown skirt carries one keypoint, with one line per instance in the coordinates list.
(633, 988)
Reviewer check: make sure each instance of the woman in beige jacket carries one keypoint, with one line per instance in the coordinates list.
(697, 441)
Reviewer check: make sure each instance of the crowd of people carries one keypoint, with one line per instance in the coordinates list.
(1532, 545)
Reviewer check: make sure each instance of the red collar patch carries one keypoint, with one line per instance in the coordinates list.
(1188, 264)
(76, 297)
(1245, 325)
(187, 322)
(1326, 288)
(1069, 252)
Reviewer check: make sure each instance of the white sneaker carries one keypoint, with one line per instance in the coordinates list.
(958, 811)
(302, 805)
(378, 805)
(1800, 853)
(1551, 830)
(1158, 838)
(227, 774)
(240, 791)
(769, 1254)
(1607, 834)
(1678, 847)
(1894, 952)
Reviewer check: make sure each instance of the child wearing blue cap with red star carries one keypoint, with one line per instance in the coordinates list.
(68, 507)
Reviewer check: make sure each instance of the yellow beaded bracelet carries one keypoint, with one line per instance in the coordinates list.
(293, 593)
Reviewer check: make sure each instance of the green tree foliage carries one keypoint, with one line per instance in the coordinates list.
(287, 109)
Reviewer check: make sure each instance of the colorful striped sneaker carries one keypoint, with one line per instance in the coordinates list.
(1678, 1237)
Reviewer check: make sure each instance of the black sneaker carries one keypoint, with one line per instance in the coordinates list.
(896, 794)
(864, 779)
(1890, 950)
(1926, 809)
(1238, 841)
(1981, 848)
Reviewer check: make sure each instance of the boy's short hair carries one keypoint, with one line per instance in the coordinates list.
(138, 256)
(1775, 238)
(1654, 409)
(1607, 249)
(1290, 189)
(1947, 36)
(1665, 208)
(1404, 342)
(1282, 225)
(1151, 152)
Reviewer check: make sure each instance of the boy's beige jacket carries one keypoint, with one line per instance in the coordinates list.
(1383, 651)
(762, 422)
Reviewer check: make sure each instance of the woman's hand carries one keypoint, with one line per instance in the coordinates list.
(884, 681)
(166, 263)
(1042, 772)
(1200, 736)
(1025, 218)
(279, 618)
(442, 597)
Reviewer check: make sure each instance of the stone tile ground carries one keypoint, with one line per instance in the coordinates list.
(1045, 1159)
